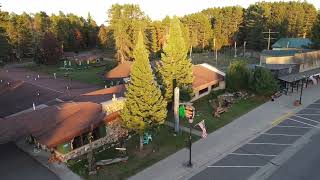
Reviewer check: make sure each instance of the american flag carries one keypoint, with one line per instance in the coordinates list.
(203, 128)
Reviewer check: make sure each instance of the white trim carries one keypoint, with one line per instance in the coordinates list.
(282, 135)
(214, 69)
(242, 154)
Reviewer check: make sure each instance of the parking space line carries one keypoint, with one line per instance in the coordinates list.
(236, 166)
(275, 144)
(312, 108)
(307, 119)
(309, 114)
(295, 127)
(303, 123)
(243, 154)
(282, 135)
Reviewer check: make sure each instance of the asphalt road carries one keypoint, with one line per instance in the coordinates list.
(17, 165)
(304, 165)
(244, 162)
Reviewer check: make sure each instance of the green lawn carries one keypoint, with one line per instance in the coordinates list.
(92, 75)
(241, 107)
(164, 144)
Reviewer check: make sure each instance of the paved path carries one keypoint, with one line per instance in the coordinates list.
(227, 139)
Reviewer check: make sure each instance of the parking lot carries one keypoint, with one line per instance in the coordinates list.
(246, 160)
(17, 165)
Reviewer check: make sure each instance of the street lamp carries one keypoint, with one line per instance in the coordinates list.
(304, 77)
(190, 111)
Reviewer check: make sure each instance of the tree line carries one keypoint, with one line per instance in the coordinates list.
(210, 29)
(26, 34)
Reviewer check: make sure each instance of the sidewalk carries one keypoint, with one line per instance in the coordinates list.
(223, 141)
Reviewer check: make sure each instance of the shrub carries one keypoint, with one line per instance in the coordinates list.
(186, 94)
(237, 76)
(262, 82)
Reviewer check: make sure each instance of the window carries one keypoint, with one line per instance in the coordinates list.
(215, 86)
(76, 142)
(203, 91)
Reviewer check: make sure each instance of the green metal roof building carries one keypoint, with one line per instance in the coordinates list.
(291, 43)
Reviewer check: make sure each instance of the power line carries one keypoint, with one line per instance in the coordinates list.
(269, 37)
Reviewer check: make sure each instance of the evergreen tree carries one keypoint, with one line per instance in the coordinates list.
(103, 37)
(237, 76)
(4, 44)
(263, 82)
(144, 106)
(316, 33)
(174, 62)
(126, 21)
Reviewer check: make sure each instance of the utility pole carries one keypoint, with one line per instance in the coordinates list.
(235, 49)
(269, 37)
(244, 48)
(215, 49)
(190, 53)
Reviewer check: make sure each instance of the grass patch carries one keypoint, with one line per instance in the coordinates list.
(164, 144)
(92, 75)
(225, 57)
(239, 108)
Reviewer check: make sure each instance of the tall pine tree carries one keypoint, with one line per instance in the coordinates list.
(316, 33)
(144, 106)
(174, 62)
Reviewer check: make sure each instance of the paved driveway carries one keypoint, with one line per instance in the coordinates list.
(17, 165)
(248, 159)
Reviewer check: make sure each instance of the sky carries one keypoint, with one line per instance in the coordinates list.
(155, 9)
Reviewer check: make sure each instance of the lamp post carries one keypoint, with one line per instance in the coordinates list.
(301, 89)
(190, 111)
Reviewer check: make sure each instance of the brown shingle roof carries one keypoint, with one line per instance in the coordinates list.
(121, 71)
(204, 77)
(19, 95)
(102, 95)
(53, 125)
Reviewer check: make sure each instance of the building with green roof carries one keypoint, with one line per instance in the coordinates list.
(291, 44)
